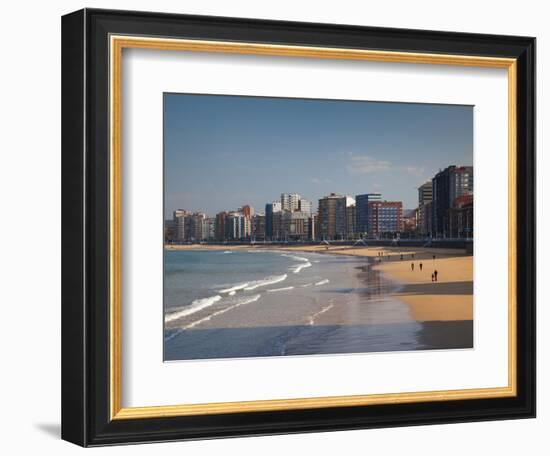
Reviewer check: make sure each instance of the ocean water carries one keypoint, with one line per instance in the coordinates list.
(194, 277)
(250, 303)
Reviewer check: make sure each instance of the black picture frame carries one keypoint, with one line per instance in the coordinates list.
(85, 225)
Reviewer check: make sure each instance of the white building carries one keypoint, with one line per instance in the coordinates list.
(305, 206)
(290, 201)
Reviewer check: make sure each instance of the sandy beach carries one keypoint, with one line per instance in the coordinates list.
(316, 299)
(448, 299)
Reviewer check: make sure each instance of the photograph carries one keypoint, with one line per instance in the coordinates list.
(269, 226)
(302, 227)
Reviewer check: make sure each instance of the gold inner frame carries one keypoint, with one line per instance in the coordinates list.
(117, 44)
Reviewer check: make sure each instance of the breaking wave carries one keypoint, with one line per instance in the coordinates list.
(321, 312)
(195, 306)
(273, 290)
(236, 287)
(267, 281)
(296, 269)
(222, 311)
(295, 257)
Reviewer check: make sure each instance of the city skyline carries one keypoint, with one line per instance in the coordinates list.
(222, 152)
(445, 209)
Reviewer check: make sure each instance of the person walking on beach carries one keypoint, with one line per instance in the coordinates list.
(420, 266)
(412, 266)
(432, 276)
(435, 275)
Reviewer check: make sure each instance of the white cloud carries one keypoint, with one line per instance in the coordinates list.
(365, 164)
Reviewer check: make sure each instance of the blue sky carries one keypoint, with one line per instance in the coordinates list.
(222, 152)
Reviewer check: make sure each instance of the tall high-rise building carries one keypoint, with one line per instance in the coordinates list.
(258, 227)
(305, 206)
(425, 196)
(169, 230)
(208, 229)
(344, 205)
(219, 226)
(189, 226)
(461, 217)
(247, 227)
(351, 222)
(235, 226)
(295, 225)
(272, 220)
(247, 211)
(362, 211)
(327, 217)
(462, 182)
(425, 193)
(448, 185)
(194, 227)
(385, 217)
(179, 217)
(428, 214)
(290, 201)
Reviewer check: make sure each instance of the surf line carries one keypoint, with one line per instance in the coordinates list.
(322, 311)
(273, 290)
(195, 306)
(222, 311)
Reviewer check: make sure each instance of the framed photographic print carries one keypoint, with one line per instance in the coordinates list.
(278, 227)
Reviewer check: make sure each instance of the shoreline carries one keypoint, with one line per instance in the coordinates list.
(362, 306)
(448, 299)
(353, 250)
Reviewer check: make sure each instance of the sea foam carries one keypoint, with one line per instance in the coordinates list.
(267, 281)
(236, 287)
(239, 303)
(273, 290)
(297, 268)
(195, 306)
(295, 257)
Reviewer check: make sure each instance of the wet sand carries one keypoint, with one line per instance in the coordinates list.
(318, 340)
(449, 299)
(369, 306)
